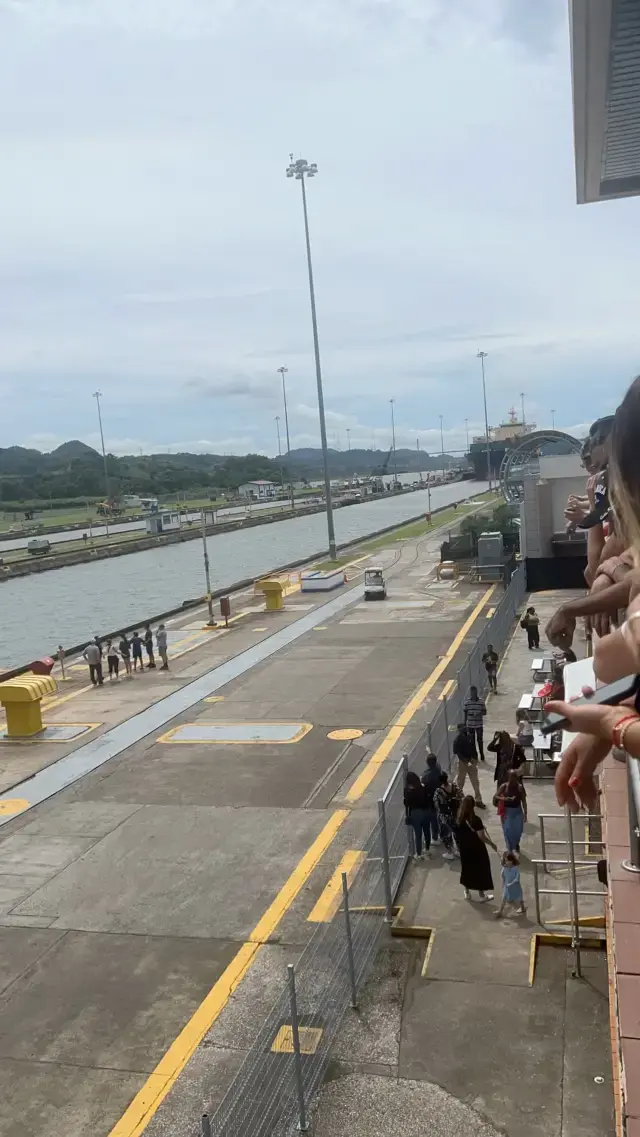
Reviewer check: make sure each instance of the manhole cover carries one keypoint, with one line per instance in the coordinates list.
(247, 733)
(345, 735)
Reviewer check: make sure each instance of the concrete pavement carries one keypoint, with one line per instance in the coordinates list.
(135, 900)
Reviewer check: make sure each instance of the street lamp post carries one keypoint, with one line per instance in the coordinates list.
(300, 170)
(348, 438)
(283, 372)
(280, 452)
(418, 450)
(482, 355)
(442, 445)
(522, 403)
(97, 396)
(466, 426)
(553, 420)
(393, 443)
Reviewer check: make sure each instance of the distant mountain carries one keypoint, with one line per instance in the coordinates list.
(307, 462)
(74, 449)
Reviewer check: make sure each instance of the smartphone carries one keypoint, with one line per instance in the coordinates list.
(608, 696)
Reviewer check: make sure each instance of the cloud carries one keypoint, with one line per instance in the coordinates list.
(152, 246)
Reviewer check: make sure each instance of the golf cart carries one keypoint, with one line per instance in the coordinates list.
(374, 584)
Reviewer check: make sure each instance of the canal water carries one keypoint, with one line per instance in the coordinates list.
(67, 605)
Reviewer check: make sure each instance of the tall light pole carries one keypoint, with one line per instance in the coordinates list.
(300, 170)
(393, 443)
(280, 452)
(466, 426)
(553, 420)
(522, 403)
(283, 371)
(418, 450)
(442, 445)
(348, 438)
(97, 396)
(482, 355)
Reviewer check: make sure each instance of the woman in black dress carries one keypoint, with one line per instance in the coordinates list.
(472, 838)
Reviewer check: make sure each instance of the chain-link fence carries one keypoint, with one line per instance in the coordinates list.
(273, 1090)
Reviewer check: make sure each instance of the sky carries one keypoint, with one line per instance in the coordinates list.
(153, 249)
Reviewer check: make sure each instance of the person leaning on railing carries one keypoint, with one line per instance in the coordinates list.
(618, 653)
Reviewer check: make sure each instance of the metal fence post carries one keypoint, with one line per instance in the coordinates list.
(386, 868)
(297, 1056)
(543, 843)
(633, 793)
(411, 844)
(347, 925)
(429, 737)
(205, 1126)
(575, 919)
(446, 731)
(536, 889)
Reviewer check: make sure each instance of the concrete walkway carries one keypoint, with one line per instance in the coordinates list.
(155, 899)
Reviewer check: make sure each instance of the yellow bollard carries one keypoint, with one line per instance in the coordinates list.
(272, 590)
(21, 698)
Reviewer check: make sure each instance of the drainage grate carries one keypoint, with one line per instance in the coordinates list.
(234, 733)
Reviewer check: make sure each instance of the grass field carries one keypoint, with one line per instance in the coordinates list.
(413, 529)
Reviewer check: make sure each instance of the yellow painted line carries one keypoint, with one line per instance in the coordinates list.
(149, 1098)
(490, 613)
(215, 699)
(170, 738)
(48, 706)
(328, 903)
(259, 629)
(427, 954)
(449, 685)
(395, 732)
(12, 805)
(320, 628)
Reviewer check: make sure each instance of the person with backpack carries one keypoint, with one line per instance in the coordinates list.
(447, 800)
(531, 624)
(431, 781)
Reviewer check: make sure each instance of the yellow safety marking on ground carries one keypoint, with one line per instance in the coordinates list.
(259, 629)
(395, 732)
(490, 613)
(427, 954)
(328, 902)
(11, 805)
(214, 699)
(345, 735)
(49, 705)
(149, 1098)
(309, 1038)
(304, 729)
(449, 685)
(320, 628)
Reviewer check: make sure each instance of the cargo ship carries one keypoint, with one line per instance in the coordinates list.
(503, 438)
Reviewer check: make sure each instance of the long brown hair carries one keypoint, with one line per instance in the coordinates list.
(625, 468)
(467, 808)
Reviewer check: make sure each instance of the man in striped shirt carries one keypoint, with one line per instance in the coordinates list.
(474, 712)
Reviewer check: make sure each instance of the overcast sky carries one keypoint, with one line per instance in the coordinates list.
(153, 248)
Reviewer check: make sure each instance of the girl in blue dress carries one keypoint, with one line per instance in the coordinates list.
(512, 894)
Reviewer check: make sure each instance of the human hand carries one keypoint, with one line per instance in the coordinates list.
(560, 629)
(575, 785)
(595, 720)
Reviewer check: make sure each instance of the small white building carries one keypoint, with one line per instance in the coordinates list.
(259, 490)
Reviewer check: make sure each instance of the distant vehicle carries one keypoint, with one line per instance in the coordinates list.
(149, 504)
(375, 587)
(39, 546)
(110, 509)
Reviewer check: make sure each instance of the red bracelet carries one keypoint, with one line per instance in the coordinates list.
(619, 730)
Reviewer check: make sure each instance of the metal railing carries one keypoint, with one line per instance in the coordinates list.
(273, 1090)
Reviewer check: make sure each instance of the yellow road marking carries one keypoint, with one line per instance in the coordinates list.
(11, 805)
(149, 1098)
(449, 685)
(48, 706)
(490, 613)
(427, 954)
(395, 732)
(329, 901)
(320, 628)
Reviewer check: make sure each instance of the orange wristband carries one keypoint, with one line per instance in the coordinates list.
(620, 729)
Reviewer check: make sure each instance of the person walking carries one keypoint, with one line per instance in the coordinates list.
(512, 894)
(431, 780)
(531, 624)
(161, 641)
(148, 643)
(124, 647)
(93, 656)
(447, 800)
(490, 660)
(113, 660)
(509, 755)
(475, 709)
(524, 733)
(511, 800)
(473, 839)
(136, 651)
(417, 814)
(465, 751)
